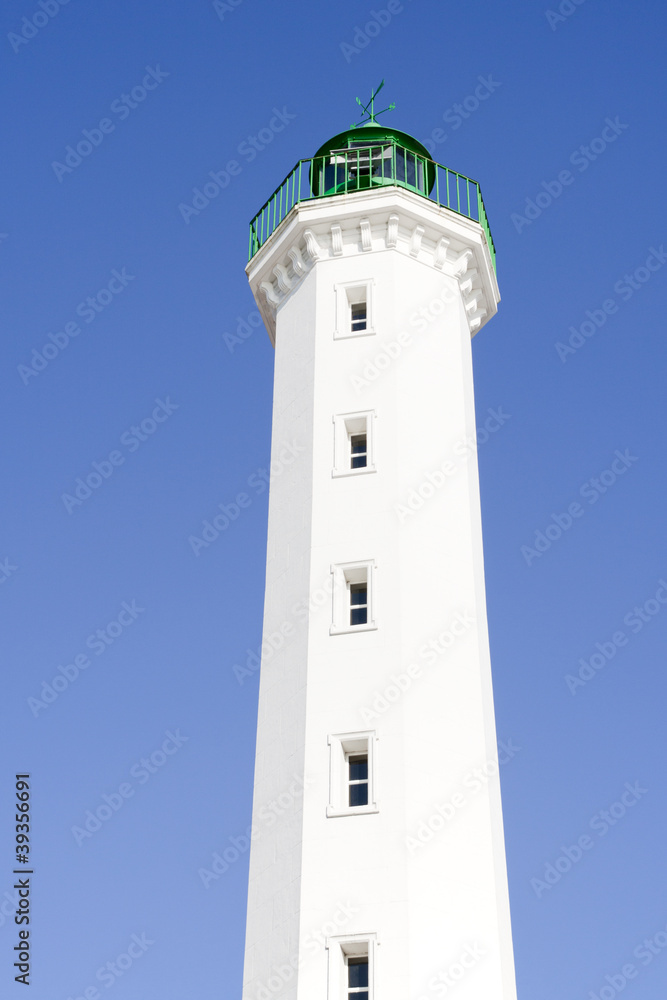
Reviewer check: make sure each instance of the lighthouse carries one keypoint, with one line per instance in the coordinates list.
(377, 864)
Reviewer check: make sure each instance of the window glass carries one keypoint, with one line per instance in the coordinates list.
(357, 973)
(359, 795)
(358, 778)
(359, 451)
(358, 316)
(358, 604)
(359, 767)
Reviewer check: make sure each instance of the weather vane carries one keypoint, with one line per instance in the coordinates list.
(369, 109)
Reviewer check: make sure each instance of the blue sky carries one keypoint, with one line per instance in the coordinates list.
(156, 370)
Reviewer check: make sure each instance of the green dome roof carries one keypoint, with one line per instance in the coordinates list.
(370, 133)
(341, 166)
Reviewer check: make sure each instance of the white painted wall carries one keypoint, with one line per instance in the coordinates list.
(428, 904)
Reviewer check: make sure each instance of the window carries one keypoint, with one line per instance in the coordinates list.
(357, 317)
(353, 587)
(354, 310)
(358, 603)
(357, 977)
(352, 966)
(357, 769)
(358, 451)
(352, 781)
(354, 443)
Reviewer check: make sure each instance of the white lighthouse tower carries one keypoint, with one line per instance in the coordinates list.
(377, 867)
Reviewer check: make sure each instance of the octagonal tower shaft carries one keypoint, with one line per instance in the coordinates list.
(376, 669)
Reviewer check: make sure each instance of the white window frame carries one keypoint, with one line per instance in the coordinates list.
(345, 426)
(350, 293)
(341, 947)
(341, 745)
(345, 574)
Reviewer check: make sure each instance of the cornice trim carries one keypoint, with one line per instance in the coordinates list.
(282, 264)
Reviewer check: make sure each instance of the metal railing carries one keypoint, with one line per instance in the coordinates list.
(365, 168)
